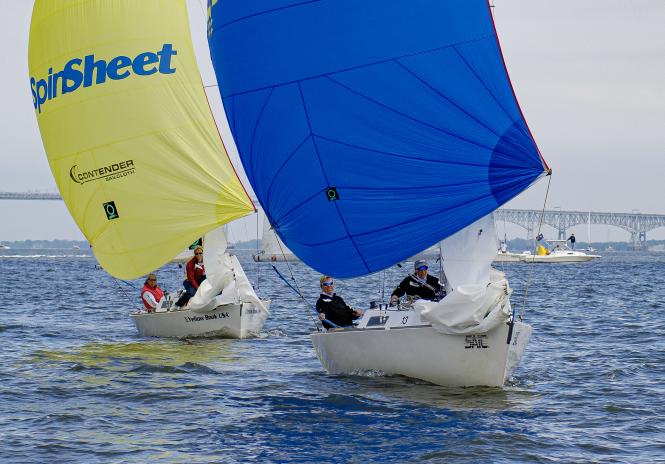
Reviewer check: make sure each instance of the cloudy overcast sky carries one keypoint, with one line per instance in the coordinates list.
(589, 76)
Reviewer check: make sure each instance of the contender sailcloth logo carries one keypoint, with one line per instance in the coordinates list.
(88, 71)
(111, 172)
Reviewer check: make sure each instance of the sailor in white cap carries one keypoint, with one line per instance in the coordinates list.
(420, 284)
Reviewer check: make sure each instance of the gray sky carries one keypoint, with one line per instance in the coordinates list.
(589, 76)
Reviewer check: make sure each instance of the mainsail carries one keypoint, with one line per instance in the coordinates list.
(127, 129)
(370, 130)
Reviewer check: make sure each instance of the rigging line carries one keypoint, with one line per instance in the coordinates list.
(203, 10)
(258, 244)
(296, 289)
(123, 290)
(533, 261)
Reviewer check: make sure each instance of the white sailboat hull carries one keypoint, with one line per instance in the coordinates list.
(423, 353)
(229, 321)
(275, 258)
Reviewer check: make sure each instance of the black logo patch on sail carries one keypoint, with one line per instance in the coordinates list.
(111, 211)
(331, 194)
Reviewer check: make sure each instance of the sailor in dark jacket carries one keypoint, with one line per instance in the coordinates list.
(572, 241)
(420, 283)
(332, 307)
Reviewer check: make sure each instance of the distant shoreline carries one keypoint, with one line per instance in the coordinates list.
(84, 245)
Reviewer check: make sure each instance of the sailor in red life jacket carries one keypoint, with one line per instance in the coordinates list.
(195, 274)
(151, 294)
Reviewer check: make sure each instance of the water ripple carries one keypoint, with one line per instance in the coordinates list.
(77, 384)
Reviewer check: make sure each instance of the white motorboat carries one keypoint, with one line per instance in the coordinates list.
(508, 257)
(4, 247)
(559, 252)
(220, 319)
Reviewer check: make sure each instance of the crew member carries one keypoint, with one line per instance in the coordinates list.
(151, 294)
(195, 273)
(332, 307)
(420, 284)
(572, 241)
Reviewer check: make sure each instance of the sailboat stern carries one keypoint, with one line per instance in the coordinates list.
(484, 359)
(519, 338)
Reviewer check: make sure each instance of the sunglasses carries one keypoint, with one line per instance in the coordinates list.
(423, 268)
(328, 284)
(154, 280)
(199, 253)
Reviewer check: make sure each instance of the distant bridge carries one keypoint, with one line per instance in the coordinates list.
(636, 223)
(29, 196)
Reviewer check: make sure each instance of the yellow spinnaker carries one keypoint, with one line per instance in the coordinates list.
(127, 129)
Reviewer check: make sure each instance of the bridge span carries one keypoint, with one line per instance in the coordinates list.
(637, 224)
(29, 196)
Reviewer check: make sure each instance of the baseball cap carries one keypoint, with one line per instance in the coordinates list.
(420, 263)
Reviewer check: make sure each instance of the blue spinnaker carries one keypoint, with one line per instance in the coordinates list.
(371, 129)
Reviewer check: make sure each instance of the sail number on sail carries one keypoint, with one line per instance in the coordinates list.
(71, 77)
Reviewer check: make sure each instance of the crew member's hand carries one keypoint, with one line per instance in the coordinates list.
(357, 312)
(322, 316)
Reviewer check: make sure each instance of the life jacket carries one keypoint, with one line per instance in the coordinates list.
(195, 272)
(156, 292)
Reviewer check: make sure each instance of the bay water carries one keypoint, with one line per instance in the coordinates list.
(78, 384)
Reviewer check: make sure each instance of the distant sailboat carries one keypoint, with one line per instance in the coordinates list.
(136, 155)
(272, 248)
(371, 131)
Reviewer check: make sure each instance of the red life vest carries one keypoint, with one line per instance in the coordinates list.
(156, 292)
(194, 272)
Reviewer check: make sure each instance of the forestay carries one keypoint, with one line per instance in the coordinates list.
(370, 130)
(127, 129)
